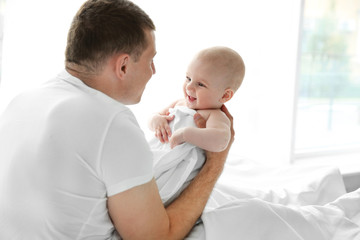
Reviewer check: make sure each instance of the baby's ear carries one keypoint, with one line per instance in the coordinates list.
(228, 94)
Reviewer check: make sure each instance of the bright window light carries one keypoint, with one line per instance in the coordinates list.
(328, 110)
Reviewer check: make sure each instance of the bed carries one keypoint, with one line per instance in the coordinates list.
(255, 202)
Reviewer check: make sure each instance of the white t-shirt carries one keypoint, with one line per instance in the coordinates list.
(69, 147)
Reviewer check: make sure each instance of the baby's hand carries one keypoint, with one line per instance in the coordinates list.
(177, 138)
(160, 124)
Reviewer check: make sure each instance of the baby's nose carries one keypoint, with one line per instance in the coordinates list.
(189, 86)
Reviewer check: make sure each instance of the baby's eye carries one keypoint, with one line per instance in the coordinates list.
(201, 85)
(188, 79)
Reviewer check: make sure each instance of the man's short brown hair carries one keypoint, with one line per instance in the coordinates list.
(102, 28)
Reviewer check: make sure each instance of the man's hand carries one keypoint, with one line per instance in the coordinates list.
(226, 111)
(223, 155)
(219, 157)
(199, 121)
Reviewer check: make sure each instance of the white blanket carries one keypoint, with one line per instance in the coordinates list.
(253, 202)
(290, 203)
(175, 168)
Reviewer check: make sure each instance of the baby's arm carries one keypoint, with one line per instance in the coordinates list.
(159, 123)
(215, 137)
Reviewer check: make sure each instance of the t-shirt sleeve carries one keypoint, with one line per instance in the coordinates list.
(126, 159)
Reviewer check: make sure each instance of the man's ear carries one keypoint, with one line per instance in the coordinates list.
(228, 94)
(121, 65)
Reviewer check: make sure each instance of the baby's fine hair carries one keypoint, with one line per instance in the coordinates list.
(227, 60)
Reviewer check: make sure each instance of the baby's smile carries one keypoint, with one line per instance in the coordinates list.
(190, 98)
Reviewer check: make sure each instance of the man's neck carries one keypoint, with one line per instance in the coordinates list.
(81, 72)
(97, 80)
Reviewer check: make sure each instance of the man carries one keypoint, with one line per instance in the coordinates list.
(79, 163)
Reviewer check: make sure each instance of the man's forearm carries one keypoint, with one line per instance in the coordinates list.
(187, 208)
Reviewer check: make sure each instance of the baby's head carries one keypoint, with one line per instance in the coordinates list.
(213, 77)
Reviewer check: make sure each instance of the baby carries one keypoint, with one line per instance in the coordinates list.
(212, 78)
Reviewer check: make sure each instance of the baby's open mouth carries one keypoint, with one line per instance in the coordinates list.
(191, 99)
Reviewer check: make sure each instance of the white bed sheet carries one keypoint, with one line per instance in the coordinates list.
(282, 203)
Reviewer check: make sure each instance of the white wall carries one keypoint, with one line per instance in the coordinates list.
(264, 32)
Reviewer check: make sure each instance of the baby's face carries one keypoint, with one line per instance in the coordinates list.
(203, 87)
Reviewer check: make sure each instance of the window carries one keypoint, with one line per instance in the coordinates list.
(328, 109)
(2, 7)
